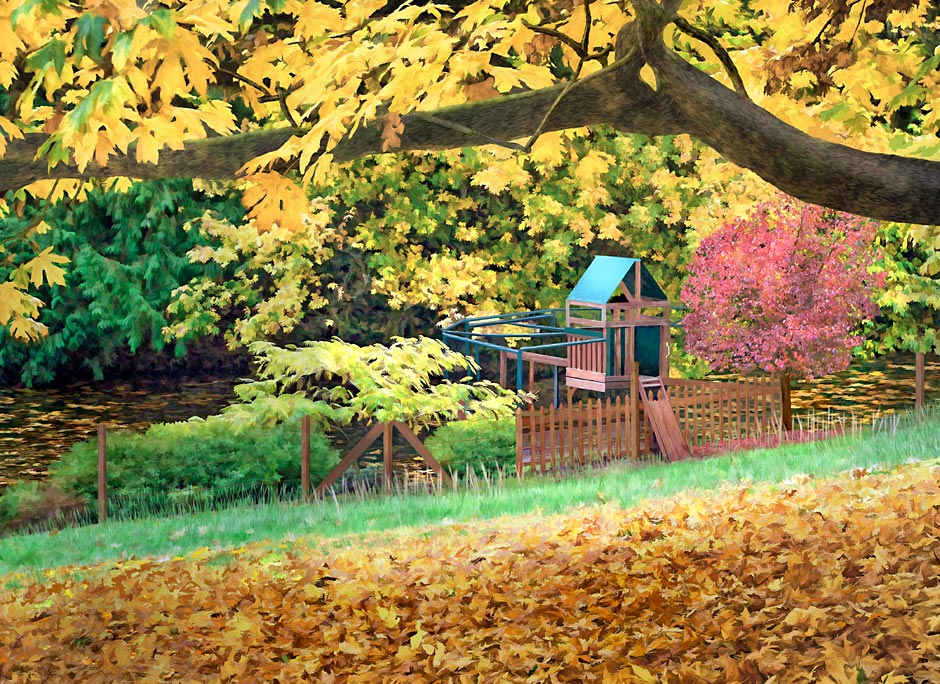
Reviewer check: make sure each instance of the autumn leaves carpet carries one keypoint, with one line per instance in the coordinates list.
(810, 581)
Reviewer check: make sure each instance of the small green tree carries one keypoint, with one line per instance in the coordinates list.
(341, 382)
(910, 301)
(399, 386)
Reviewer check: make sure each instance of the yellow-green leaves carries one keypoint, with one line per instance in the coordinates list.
(399, 382)
(19, 309)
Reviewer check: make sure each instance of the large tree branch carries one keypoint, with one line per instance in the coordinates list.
(686, 101)
(881, 186)
(595, 100)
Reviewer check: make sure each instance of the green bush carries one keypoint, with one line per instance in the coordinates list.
(481, 444)
(183, 461)
(36, 505)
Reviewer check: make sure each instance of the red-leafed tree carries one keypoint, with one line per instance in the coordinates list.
(782, 290)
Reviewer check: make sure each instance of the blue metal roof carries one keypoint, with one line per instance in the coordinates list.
(602, 279)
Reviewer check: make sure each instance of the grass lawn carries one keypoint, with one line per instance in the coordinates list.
(689, 573)
(891, 442)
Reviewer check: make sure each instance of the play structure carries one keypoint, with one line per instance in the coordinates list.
(612, 336)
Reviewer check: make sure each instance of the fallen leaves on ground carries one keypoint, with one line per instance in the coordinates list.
(832, 581)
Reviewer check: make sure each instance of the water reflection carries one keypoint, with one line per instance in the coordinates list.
(38, 426)
(869, 390)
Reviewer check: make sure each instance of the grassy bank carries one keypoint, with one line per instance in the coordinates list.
(889, 443)
(829, 580)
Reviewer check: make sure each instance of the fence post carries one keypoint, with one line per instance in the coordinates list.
(305, 458)
(919, 381)
(387, 455)
(102, 474)
(635, 411)
(519, 443)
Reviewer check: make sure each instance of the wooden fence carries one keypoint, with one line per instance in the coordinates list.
(598, 431)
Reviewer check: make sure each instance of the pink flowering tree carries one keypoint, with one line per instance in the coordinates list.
(783, 290)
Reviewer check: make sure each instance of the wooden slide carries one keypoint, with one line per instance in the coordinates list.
(663, 420)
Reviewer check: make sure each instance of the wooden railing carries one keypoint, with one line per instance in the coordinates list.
(599, 431)
(586, 432)
(710, 411)
(588, 358)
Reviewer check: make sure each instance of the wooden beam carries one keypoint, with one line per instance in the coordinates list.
(387, 456)
(305, 458)
(422, 450)
(919, 381)
(350, 458)
(519, 443)
(547, 359)
(102, 473)
(635, 411)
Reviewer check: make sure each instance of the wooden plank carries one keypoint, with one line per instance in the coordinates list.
(102, 473)
(519, 433)
(579, 383)
(422, 450)
(664, 423)
(624, 416)
(635, 411)
(547, 359)
(552, 431)
(725, 405)
(538, 445)
(546, 456)
(612, 420)
(350, 458)
(746, 411)
(305, 458)
(387, 456)
(919, 381)
(664, 345)
(585, 432)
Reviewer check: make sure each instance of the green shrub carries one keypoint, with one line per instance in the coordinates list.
(480, 444)
(36, 505)
(180, 461)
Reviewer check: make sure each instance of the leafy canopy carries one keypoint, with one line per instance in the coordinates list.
(782, 290)
(338, 381)
(275, 92)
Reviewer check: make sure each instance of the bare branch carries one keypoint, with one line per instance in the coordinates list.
(466, 130)
(719, 51)
(555, 33)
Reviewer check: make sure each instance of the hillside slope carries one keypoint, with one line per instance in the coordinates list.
(810, 581)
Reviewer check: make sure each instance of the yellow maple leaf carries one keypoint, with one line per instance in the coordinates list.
(494, 178)
(43, 267)
(13, 302)
(273, 200)
(388, 616)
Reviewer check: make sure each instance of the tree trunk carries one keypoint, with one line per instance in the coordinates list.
(786, 410)
(919, 381)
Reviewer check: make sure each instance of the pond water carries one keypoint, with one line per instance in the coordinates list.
(38, 426)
